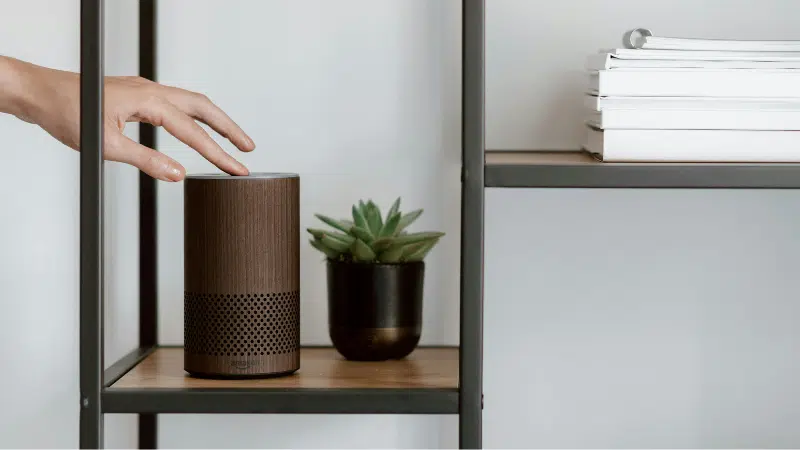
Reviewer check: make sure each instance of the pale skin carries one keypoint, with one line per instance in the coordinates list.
(50, 99)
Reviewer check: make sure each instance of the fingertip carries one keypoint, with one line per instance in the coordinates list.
(170, 174)
(155, 164)
(242, 170)
(175, 172)
(247, 144)
(234, 168)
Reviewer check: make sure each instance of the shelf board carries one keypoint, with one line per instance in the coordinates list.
(577, 169)
(424, 383)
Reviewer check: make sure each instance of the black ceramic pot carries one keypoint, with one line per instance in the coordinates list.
(375, 310)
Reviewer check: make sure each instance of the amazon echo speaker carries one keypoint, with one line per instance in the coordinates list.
(241, 275)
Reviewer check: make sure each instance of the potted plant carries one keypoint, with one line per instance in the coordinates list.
(375, 277)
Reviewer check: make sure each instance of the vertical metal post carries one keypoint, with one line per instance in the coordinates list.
(91, 224)
(148, 251)
(472, 195)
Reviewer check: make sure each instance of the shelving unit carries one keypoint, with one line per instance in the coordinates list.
(150, 380)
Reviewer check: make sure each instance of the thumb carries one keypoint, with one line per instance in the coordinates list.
(149, 161)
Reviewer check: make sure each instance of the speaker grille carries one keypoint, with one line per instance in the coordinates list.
(241, 324)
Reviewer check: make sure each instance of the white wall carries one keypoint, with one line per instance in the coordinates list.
(613, 318)
(39, 239)
(39, 246)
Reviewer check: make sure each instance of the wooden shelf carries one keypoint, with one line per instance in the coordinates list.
(577, 169)
(424, 383)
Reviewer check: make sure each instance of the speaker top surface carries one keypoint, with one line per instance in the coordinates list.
(252, 176)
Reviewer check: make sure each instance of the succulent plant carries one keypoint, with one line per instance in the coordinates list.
(371, 238)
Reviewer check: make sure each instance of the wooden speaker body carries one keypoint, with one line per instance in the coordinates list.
(241, 275)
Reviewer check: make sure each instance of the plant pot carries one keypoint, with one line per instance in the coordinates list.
(375, 310)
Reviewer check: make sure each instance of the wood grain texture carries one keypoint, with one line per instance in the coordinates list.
(320, 368)
(241, 235)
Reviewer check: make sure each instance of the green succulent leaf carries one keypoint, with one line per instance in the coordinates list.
(374, 207)
(391, 255)
(382, 243)
(333, 222)
(335, 244)
(413, 238)
(373, 216)
(319, 234)
(359, 220)
(316, 232)
(346, 238)
(418, 251)
(409, 249)
(408, 219)
(391, 225)
(329, 252)
(362, 252)
(393, 209)
(349, 223)
(363, 234)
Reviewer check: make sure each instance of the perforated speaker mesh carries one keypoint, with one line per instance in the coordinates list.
(241, 325)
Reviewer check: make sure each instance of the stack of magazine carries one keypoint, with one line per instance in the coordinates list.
(694, 100)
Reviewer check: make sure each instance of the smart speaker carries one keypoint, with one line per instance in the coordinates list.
(241, 275)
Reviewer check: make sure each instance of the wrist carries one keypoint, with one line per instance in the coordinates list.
(14, 97)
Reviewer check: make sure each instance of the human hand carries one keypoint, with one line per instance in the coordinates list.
(51, 99)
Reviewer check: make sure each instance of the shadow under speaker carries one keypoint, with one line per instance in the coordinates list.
(242, 275)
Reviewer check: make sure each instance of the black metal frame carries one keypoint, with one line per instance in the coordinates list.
(121, 367)
(98, 396)
(470, 423)
(643, 175)
(148, 239)
(277, 401)
(91, 223)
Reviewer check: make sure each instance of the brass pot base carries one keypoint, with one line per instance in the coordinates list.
(375, 344)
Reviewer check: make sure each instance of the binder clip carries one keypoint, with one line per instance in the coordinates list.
(631, 38)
